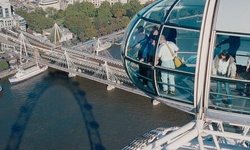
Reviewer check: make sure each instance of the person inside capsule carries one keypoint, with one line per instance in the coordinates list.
(230, 88)
(224, 65)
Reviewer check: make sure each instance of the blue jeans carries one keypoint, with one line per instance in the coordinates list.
(168, 78)
(219, 89)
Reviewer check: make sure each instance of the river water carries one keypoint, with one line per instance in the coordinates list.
(53, 112)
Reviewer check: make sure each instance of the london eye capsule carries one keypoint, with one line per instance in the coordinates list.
(212, 40)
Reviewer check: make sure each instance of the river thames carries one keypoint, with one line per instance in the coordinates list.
(54, 112)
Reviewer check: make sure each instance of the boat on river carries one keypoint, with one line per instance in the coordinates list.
(1, 88)
(24, 74)
(100, 46)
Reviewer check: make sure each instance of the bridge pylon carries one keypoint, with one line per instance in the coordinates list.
(110, 76)
(56, 34)
(23, 45)
(70, 64)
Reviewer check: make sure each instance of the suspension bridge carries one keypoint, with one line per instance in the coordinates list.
(79, 60)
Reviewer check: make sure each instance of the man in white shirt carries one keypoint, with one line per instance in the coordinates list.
(166, 52)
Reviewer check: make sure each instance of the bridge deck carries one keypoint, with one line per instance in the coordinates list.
(84, 63)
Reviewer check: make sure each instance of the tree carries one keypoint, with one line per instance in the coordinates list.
(3, 65)
(125, 21)
(116, 7)
(120, 13)
(85, 8)
(132, 8)
(83, 19)
(87, 34)
(21, 12)
(88, 9)
(81, 26)
(37, 22)
(135, 6)
(60, 14)
(103, 18)
(39, 11)
(104, 11)
(50, 11)
(115, 24)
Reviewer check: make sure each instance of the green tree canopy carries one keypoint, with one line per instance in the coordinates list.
(3, 65)
(116, 7)
(83, 19)
(50, 11)
(132, 8)
(104, 11)
(37, 21)
(81, 26)
(84, 8)
(59, 15)
(21, 12)
(103, 19)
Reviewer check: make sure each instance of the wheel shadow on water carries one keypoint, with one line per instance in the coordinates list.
(26, 110)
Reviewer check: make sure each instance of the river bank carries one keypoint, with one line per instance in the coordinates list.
(6, 73)
(11, 71)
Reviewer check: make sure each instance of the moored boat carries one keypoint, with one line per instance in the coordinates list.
(102, 46)
(24, 74)
(1, 88)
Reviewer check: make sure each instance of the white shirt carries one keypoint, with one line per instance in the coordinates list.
(223, 65)
(164, 52)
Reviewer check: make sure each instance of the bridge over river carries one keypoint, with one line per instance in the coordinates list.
(78, 60)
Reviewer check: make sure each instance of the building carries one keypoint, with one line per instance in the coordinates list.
(66, 35)
(19, 22)
(49, 3)
(98, 3)
(6, 18)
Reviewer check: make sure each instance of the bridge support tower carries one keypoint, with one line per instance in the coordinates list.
(110, 76)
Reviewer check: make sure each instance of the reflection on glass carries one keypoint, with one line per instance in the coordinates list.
(158, 12)
(148, 55)
(239, 102)
(184, 85)
(141, 75)
(126, 34)
(187, 13)
(133, 70)
(233, 44)
(137, 43)
(229, 88)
